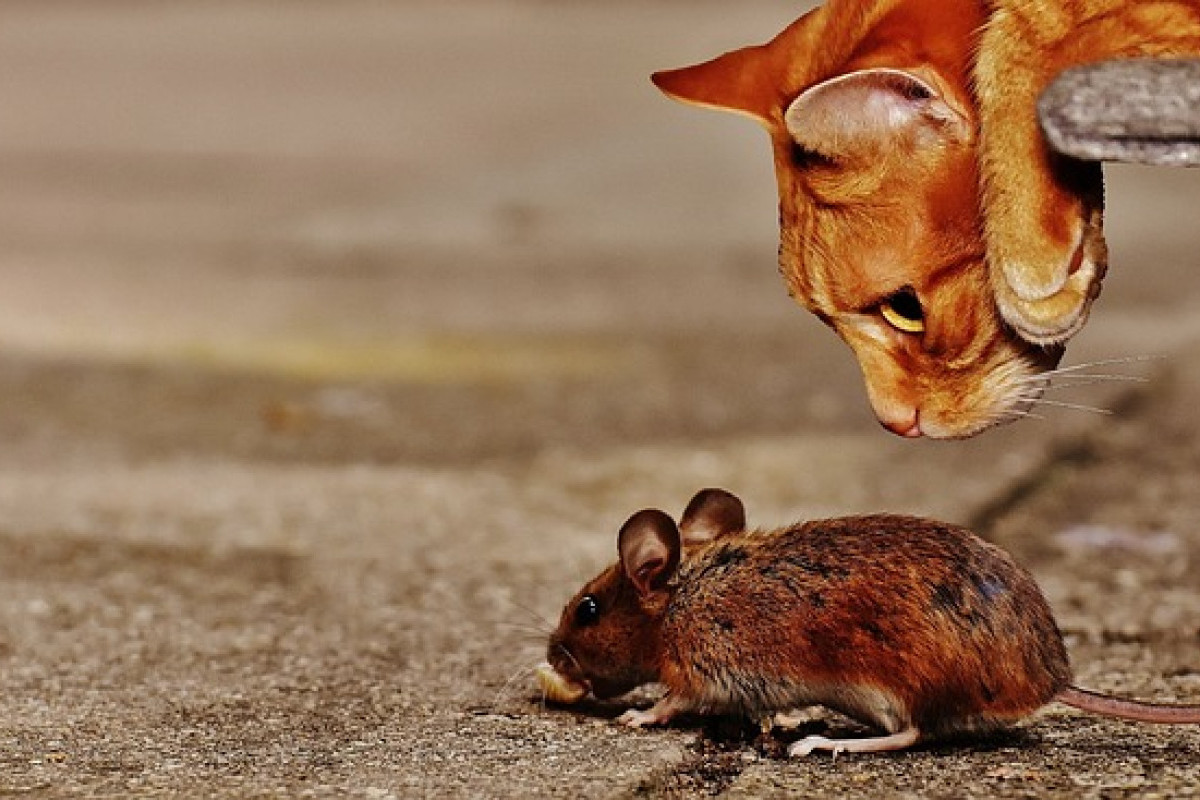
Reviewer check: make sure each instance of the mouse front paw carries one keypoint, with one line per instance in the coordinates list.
(637, 718)
(660, 713)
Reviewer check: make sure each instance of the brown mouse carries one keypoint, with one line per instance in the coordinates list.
(915, 627)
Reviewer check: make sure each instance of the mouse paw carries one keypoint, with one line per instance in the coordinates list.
(637, 718)
(660, 713)
(790, 720)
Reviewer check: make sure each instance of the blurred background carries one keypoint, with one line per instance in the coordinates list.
(437, 199)
(439, 196)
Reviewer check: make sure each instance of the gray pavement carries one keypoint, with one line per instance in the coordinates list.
(336, 340)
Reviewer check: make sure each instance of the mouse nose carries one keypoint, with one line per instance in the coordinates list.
(908, 426)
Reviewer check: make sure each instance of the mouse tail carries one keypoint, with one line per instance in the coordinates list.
(1133, 710)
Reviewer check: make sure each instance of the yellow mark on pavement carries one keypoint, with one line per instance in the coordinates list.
(455, 359)
(442, 359)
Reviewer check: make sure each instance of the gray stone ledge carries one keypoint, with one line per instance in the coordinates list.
(1144, 111)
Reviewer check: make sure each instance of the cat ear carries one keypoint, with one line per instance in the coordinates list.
(711, 514)
(737, 81)
(649, 548)
(751, 81)
(870, 111)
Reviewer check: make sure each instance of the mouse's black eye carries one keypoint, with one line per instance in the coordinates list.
(587, 612)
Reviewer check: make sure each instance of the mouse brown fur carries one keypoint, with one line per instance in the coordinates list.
(915, 627)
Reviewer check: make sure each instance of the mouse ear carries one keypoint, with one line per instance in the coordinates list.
(649, 548)
(870, 112)
(712, 513)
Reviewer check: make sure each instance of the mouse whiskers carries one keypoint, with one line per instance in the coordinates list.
(526, 630)
(537, 616)
(505, 692)
(571, 656)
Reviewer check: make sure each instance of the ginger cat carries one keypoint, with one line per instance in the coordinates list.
(905, 165)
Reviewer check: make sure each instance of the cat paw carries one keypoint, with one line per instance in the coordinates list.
(1055, 317)
(1044, 287)
(1044, 232)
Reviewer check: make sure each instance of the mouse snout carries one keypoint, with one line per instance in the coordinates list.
(556, 687)
(559, 656)
(560, 677)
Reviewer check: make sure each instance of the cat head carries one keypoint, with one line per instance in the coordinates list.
(874, 135)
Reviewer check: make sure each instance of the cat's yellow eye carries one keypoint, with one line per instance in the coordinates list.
(903, 312)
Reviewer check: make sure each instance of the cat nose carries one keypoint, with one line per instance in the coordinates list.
(909, 426)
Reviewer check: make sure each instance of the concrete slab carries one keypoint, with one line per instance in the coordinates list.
(336, 342)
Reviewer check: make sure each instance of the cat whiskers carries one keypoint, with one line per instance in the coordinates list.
(1023, 413)
(1075, 371)
(1040, 401)
(1029, 390)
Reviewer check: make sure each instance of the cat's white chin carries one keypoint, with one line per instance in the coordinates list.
(1007, 391)
(950, 432)
(933, 430)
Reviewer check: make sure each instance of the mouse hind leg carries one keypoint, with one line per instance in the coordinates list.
(871, 744)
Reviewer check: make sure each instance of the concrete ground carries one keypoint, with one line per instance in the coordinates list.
(337, 340)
